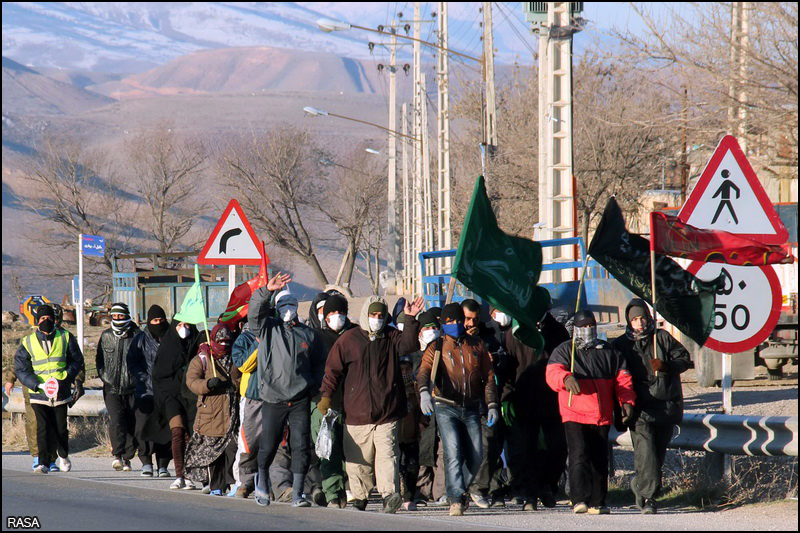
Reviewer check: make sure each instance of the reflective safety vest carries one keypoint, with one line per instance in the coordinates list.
(47, 365)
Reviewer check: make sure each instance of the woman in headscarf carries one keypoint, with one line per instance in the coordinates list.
(215, 379)
(172, 398)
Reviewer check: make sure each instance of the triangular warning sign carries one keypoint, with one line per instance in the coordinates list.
(233, 241)
(729, 197)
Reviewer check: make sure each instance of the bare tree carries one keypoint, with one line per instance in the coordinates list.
(166, 170)
(278, 181)
(356, 197)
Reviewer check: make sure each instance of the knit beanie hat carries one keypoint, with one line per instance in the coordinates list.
(452, 311)
(335, 303)
(636, 311)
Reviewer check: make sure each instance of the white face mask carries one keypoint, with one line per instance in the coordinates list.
(502, 319)
(320, 317)
(375, 324)
(288, 312)
(183, 332)
(336, 322)
(427, 337)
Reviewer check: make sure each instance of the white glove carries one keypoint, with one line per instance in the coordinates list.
(426, 403)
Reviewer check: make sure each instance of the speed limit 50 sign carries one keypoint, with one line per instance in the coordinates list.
(747, 306)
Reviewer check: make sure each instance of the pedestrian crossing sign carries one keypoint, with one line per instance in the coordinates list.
(729, 197)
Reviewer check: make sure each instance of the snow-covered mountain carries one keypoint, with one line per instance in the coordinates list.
(136, 36)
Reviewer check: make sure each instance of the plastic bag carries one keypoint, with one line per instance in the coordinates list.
(324, 444)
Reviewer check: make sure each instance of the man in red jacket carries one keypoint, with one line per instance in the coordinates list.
(586, 401)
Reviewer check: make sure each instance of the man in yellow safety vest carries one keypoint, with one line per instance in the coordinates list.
(47, 363)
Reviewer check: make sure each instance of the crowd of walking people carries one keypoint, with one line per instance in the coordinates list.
(430, 407)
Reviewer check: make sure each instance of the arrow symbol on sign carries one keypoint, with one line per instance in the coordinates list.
(223, 242)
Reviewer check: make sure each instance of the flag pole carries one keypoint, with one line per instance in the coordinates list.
(205, 323)
(577, 306)
(653, 280)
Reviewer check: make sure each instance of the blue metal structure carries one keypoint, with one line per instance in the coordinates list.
(600, 292)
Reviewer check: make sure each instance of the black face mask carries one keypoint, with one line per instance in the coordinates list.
(158, 330)
(47, 326)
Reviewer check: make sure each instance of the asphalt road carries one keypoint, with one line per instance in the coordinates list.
(93, 497)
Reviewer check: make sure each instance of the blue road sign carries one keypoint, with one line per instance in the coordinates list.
(94, 245)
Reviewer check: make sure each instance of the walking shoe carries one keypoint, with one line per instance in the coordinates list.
(516, 500)
(409, 506)
(163, 472)
(216, 492)
(639, 501)
(580, 508)
(261, 497)
(242, 492)
(441, 501)
(392, 503)
(480, 500)
(457, 509)
(117, 463)
(361, 505)
(529, 505)
(232, 490)
(64, 464)
(41, 469)
(599, 510)
(319, 497)
(54, 467)
(35, 463)
(548, 500)
(188, 485)
(126, 466)
(147, 471)
(179, 483)
(206, 489)
(420, 502)
(301, 502)
(498, 502)
(649, 507)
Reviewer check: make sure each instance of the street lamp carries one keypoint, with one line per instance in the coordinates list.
(315, 112)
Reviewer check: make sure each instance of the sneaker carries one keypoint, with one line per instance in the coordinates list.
(409, 506)
(35, 463)
(147, 471)
(480, 500)
(649, 507)
(498, 502)
(599, 510)
(334, 503)
(580, 508)
(319, 497)
(126, 466)
(163, 472)
(361, 505)
(457, 509)
(54, 467)
(215, 492)
(206, 489)
(392, 503)
(421, 502)
(441, 501)
(179, 483)
(64, 464)
(188, 485)
(117, 464)
(261, 498)
(301, 502)
(529, 505)
(41, 469)
(516, 500)
(232, 490)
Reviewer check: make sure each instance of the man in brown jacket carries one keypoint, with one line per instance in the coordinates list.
(366, 362)
(464, 375)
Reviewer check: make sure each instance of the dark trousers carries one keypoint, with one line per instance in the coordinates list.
(409, 469)
(489, 479)
(552, 460)
(274, 417)
(52, 436)
(523, 448)
(122, 424)
(220, 472)
(649, 450)
(588, 463)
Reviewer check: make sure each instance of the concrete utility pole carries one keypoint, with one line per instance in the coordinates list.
(445, 234)
(417, 134)
(490, 110)
(739, 42)
(407, 233)
(392, 267)
(426, 165)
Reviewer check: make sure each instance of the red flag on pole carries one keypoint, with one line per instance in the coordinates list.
(675, 238)
(240, 297)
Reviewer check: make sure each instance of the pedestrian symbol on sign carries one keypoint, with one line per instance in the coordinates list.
(724, 192)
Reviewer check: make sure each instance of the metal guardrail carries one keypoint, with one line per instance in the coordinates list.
(731, 434)
(90, 404)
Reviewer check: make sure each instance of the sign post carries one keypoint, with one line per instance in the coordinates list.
(92, 245)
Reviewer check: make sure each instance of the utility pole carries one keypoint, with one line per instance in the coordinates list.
(391, 284)
(445, 234)
(417, 133)
(407, 234)
(426, 165)
(489, 119)
(739, 41)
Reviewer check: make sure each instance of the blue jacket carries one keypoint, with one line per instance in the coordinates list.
(242, 349)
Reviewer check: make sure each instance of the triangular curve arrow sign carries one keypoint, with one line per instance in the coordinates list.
(233, 241)
(729, 197)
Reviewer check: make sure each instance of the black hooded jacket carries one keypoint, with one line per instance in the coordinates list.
(659, 399)
(173, 356)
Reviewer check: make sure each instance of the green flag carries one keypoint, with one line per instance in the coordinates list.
(193, 311)
(682, 299)
(501, 269)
